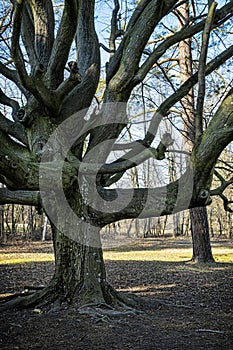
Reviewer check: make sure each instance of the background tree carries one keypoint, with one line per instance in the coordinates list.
(56, 67)
(198, 216)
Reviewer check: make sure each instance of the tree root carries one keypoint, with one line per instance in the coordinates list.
(101, 312)
(118, 304)
(14, 296)
(29, 299)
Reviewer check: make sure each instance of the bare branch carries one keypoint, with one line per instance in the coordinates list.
(105, 48)
(182, 91)
(126, 61)
(114, 28)
(16, 50)
(152, 202)
(13, 76)
(219, 190)
(138, 154)
(221, 16)
(201, 71)
(28, 35)
(17, 170)
(115, 61)
(226, 203)
(67, 86)
(5, 100)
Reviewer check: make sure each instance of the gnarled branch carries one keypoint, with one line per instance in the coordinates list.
(16, 51)
(14, 129)
(88, 61)
(42, 11)
(62, 44)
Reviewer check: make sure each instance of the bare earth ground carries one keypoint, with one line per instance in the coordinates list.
(147, 268)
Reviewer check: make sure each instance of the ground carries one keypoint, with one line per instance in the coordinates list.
(196, 309)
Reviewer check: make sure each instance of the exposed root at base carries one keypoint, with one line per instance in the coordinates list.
(29, 299)
(121, 305)
(103, 313)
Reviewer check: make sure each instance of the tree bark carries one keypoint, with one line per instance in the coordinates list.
(79, 279)
(80, 274)
(202, 252)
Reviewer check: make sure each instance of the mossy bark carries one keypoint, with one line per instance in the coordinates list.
(80, 275)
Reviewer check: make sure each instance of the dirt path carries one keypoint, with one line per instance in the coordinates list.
(205, 323)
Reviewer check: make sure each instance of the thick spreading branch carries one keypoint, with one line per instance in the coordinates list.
(19, 197)
(16, 51)
(122, 67)
(62, 44)
(16, 167)
(43, 15)
(88, 61)
(28, 35)
(214, 140)
(151, 202)
(37, 83)
(139, 153)
(133, 158)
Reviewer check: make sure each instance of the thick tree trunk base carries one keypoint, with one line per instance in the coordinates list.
(110, 304)
(201, 260)
(86, 294)
(122, 304)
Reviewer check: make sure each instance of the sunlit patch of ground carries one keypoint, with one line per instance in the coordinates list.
(179, 250)
(19, 258)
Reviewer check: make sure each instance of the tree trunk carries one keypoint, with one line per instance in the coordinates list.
(79, 278)
(198, 216)
(202, 252)
(80, 274)
(176, 225)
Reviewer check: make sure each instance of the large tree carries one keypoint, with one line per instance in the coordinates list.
(56, 154)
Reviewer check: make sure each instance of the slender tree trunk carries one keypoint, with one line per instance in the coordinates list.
(198, 216)
(164, 225)
(44, 228)
(202, 252)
